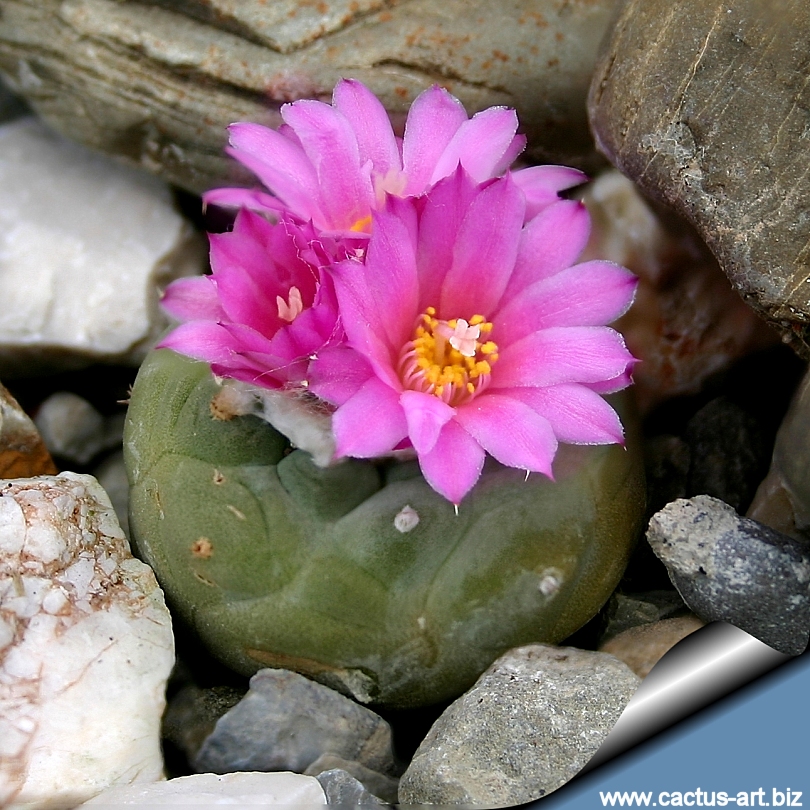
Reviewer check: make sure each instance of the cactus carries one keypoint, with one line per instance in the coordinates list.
(359, 575)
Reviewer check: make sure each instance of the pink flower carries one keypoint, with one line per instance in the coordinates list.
(470, 331)
(334, 164)
(262, 312)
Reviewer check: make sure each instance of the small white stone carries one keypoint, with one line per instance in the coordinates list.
(280, 789)
(86, 648)
(74, 430)
(85, 245)
(406, 519)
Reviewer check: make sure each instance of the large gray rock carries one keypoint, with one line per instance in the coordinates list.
(530, 723)
(285, 722)
(732, 569)
(704, 104)
(156, 83)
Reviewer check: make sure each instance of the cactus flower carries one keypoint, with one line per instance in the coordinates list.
(471, 331)
(264, 309)
(334, 164)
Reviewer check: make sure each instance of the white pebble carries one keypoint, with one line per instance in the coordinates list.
(86, 647)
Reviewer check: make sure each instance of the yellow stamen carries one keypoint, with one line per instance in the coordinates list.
(446, 357)
(362, 225)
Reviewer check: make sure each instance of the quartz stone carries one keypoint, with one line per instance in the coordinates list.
(86, 647)
(85, 246)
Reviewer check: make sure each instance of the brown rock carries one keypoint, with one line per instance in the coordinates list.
(687, 322)
(22, 451)
(705, 105)
(156, 83)
(642, 647)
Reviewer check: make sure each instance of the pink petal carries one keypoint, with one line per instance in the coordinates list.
(485, 252)
(433, 120)
(338, 373)
(387, 282)
(363, 324)
(616, 383)
(426, 416)
(371, 423)
(542, 184)
(511, 431)
(562, 354)
(202, 340)
(346, 195)
(445, 209)
(479, 144)
(280, 164)
(255, 264)
(508, 158)
(250, 198)
(590, 294)
(454, 464)
(550, 242)
(577, 414)
(192, 299)
(371, 125)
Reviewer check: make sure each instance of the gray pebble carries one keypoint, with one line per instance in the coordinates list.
(530, 723)
(378, 784)
(343, 790)
(730, 568)
(285, 722)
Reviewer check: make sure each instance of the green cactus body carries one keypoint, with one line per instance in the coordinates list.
(359, 575)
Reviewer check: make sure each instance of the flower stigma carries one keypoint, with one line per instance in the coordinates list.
(449, 359)
(289, 310)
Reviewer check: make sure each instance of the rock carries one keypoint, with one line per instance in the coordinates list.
(192, 715)
(642, 647)
(783, 498)
(343, 790)
(275, 562)
(208, 789)
(687, 322)
(729, 568)
(330, 769)
(74, 430)
(727, 451)
(625, 611)
(286, 721)
(703, 105)
(529, 724)
(22, 452)
(167, 78)
(86, 647)
(84, 247)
